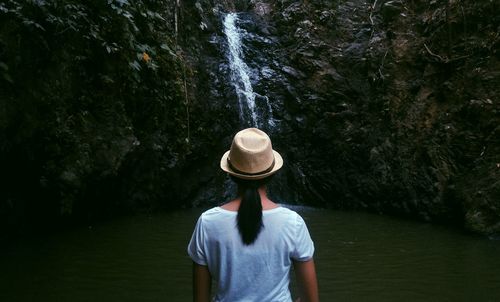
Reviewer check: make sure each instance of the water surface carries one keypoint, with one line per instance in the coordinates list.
(359, 257)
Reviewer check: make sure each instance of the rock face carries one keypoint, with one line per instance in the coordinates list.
(391, 107)
(388, 106)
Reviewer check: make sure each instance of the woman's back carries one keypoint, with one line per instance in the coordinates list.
(248, 245)
(259, 271)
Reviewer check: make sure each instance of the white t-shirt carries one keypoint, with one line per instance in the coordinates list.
(258, 272)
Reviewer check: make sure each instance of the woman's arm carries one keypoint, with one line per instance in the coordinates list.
(305, 272)
(202, 283)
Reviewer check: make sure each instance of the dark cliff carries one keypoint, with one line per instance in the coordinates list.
(397, 104)
(125, 106)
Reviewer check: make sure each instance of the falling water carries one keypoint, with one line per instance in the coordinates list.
(240, 78)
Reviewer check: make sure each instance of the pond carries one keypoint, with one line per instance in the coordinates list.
(359, 257)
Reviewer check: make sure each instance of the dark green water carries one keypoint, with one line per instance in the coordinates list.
(359, 257)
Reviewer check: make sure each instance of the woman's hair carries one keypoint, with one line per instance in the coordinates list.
(250, 211)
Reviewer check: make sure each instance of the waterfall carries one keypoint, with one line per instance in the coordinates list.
(250, 112)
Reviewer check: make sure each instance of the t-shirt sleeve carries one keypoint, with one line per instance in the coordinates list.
(196, 247)
(304, 246)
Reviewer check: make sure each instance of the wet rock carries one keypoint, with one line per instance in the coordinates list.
(262, 8)
(293, 72)
(391, 10)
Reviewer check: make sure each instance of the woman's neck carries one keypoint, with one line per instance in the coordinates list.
(267, 203)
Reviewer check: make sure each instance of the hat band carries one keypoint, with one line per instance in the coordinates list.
(250, 174)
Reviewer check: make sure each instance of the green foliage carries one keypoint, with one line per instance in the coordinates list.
(85, 85)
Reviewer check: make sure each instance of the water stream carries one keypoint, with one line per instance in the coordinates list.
(252, 113)
(359, 257)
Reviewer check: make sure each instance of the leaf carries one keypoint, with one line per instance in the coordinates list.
(135, 65)
(127, 15)
(8, 78)
(107, 79)
(165, 47)
(143, 48)
(28, 22)
(145, 57)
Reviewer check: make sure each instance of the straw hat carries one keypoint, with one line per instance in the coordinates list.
(251, 156)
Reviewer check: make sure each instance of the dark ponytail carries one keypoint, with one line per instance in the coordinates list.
(250, 211)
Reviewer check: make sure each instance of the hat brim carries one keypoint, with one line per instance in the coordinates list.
(224, 165)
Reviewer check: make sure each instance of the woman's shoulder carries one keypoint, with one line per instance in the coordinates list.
(218, 212)
(284, 212)
(215, 212)
(288, 209)
(291, 215)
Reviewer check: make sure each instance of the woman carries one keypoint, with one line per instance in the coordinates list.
(249, 244)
